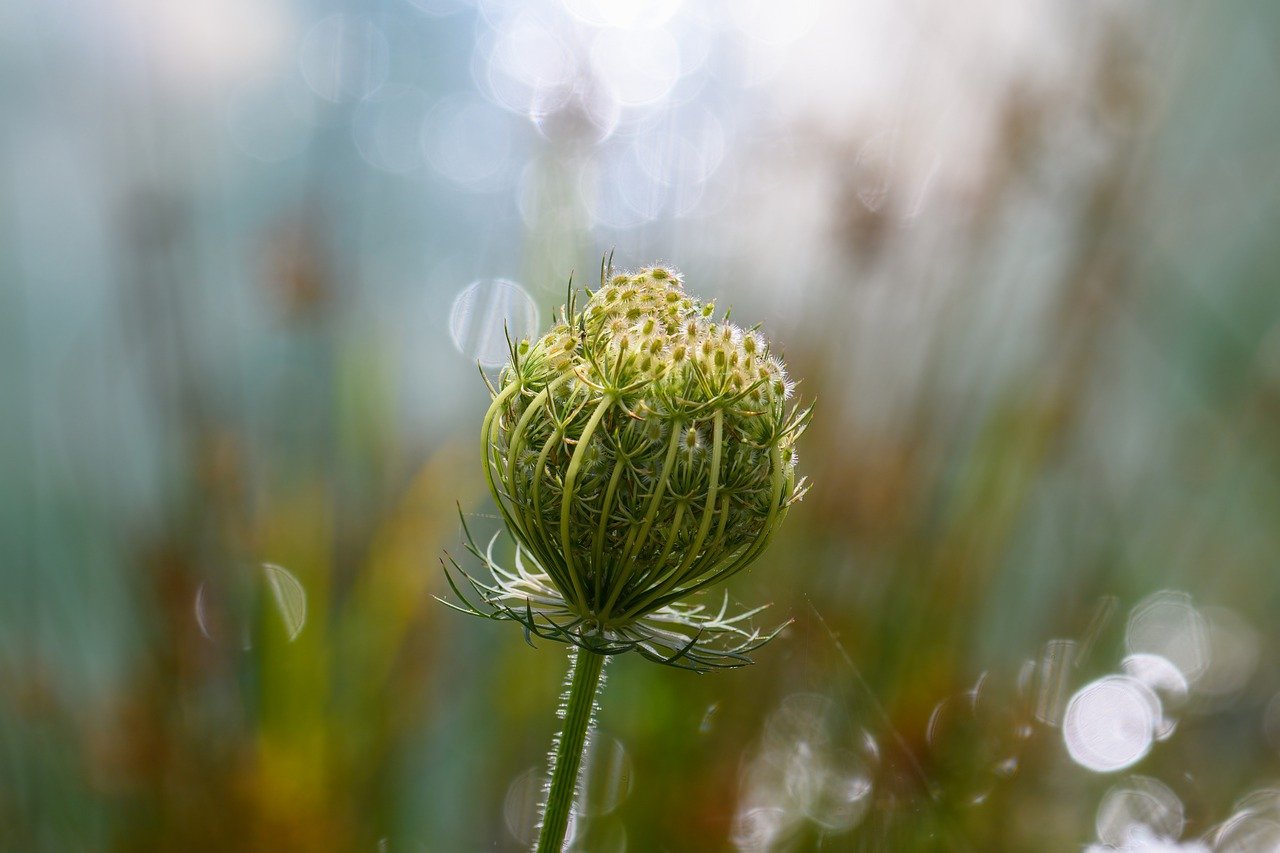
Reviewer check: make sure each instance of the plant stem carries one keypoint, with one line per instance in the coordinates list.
(579, 709)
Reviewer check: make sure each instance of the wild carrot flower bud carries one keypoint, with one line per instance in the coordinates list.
(654, 476)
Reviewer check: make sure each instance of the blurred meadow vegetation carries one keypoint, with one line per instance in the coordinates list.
(1024, 258)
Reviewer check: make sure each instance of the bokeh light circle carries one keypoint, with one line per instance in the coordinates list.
(1110, 723)
(468, 141)
(345, 57)
(484, 313)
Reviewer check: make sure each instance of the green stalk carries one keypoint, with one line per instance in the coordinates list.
(486, 448)
(597, 550)
(517, 434)
(733, 565)
(665, 583)
(584, 685)
(627, 563)
(567, 497)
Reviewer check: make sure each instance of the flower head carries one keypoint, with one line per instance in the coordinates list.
(639, 452)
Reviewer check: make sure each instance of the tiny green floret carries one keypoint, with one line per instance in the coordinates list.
(640, 451)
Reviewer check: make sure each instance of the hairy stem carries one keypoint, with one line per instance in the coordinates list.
(579, 709)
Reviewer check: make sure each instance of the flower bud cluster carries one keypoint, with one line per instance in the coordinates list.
(642, 449)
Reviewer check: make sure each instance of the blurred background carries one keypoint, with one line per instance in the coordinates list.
(1023, 253)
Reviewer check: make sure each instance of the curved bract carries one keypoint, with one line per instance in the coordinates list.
(640, 451)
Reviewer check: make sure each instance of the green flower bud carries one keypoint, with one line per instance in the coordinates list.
(654, 475)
